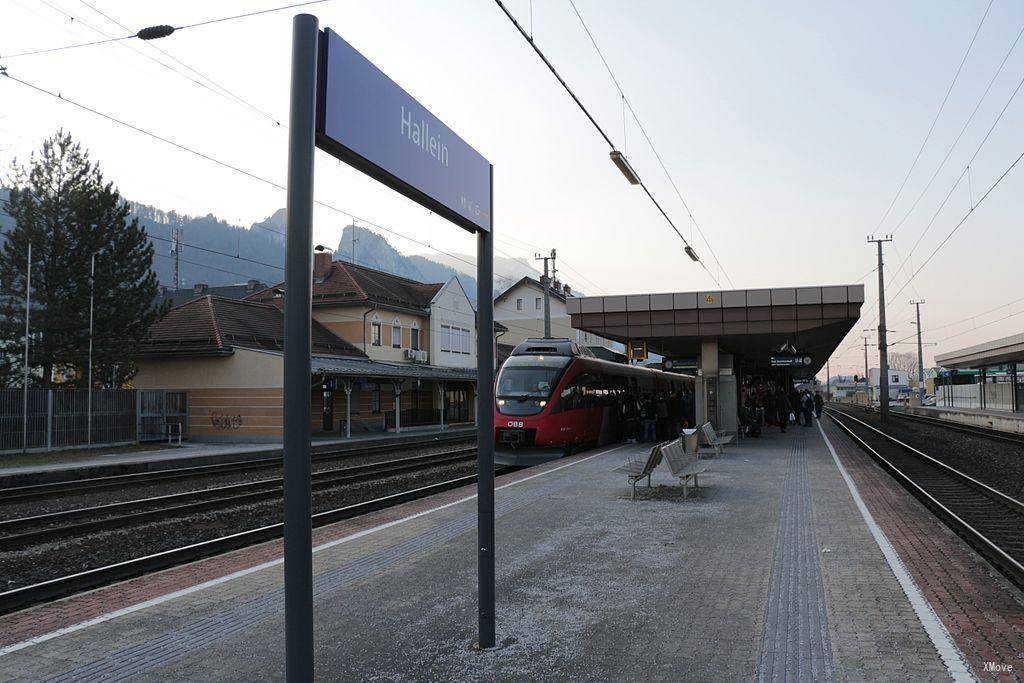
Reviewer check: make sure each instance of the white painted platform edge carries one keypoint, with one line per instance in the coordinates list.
(265, 565)
(951, 656)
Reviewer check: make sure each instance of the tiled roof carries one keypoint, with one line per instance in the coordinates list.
(557, 293)
(344, 282)
(362, 367)
(213, 326)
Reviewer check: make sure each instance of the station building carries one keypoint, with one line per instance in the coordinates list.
(388, 352)
(728, 338)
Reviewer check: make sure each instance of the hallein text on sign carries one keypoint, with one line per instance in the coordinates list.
(419, 134)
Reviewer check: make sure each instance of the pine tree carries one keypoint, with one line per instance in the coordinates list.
(64, 207)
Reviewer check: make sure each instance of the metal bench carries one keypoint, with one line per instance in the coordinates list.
(637, 469)
(713, 441)
(684, 464)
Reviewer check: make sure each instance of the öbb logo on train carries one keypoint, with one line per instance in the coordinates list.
(515, 423)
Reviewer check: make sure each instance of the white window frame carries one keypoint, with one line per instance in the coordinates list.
(446, 338)
(375, 331)
(414, 336)
(537, 303)
(396, 324)
(519, 304)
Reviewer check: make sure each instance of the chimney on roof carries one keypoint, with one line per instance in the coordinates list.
(567, 290)
(199, 288)
(252, 285)
(321, 263)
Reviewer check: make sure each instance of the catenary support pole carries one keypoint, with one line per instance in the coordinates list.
(920, 354)
(24, 377)
(92, 294)
(883, 347)
(298, 534)
(485, 430)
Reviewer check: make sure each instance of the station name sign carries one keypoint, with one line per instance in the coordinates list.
(367, 120)
(790, 361)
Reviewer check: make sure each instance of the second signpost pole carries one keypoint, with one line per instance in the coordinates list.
(298, 283)
(485, 426)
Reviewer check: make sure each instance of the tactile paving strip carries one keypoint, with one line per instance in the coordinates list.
(795, 641)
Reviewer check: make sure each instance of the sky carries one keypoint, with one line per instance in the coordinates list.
(787, 127)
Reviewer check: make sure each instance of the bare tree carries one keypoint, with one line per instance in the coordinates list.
(905, 361)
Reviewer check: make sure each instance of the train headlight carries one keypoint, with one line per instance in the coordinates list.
(542, 403)
(501, 401)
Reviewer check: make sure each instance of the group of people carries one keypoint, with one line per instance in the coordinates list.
(650, 418)
(772, 405)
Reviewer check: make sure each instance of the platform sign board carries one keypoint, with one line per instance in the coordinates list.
(798, 361)
(636, 349)
(367, 120)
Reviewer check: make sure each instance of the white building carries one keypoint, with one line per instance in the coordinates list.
(520, 308)
(898, 379)
(452, 327)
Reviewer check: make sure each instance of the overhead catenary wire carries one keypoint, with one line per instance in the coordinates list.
(935, 120)
(529, 39)
(141, 34)
(657, 155)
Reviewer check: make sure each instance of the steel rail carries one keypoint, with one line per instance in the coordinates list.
(986, 432)
(19, 598)
(190, 502)
(36, 491)
(1000, 558)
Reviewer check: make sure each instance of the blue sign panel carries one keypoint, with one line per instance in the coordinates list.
(367, 120)
(790, 361)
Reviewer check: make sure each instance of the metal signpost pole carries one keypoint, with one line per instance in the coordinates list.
(24, 379)
(298, 533)
(485, 429)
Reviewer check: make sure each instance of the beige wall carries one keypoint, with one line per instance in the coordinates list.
(347, 323)
(244, 368)
(247, 414)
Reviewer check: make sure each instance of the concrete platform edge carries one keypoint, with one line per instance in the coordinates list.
(953, 659)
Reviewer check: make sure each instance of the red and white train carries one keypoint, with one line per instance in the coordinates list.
(552, 396)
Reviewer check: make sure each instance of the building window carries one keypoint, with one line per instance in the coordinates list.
(446, 338)
(537, 303)
(375, 399)
(396, 334)
(519, 304)
(375, 333)
(414, 338)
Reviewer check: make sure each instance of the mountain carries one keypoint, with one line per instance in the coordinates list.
(374, 251)
(507, 271)
(216, 252)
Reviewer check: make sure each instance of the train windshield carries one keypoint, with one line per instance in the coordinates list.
(525, 383)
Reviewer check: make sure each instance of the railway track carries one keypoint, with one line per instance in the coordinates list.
(73, 486)
(25, 596)
(27, 531)
(990, 521)
(986, 432)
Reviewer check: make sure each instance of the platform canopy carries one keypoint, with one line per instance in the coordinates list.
(995, 352)
(751, 324)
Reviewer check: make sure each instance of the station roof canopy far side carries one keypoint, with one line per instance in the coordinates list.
(751, 324)
(995, 352)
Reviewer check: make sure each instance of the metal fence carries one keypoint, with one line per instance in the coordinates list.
(61, 418)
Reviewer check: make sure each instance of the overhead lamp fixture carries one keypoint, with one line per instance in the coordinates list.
(691, 253)
(623, 165)
(322, 248)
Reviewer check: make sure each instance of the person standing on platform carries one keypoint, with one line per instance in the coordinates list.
(819, 404)
(807, 405)
(661, 406)
(650, 420)
(783, 409)
(794, 405)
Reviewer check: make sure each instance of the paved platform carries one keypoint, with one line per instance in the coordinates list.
(201, 453)
(1004, 420)
(786, 565)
